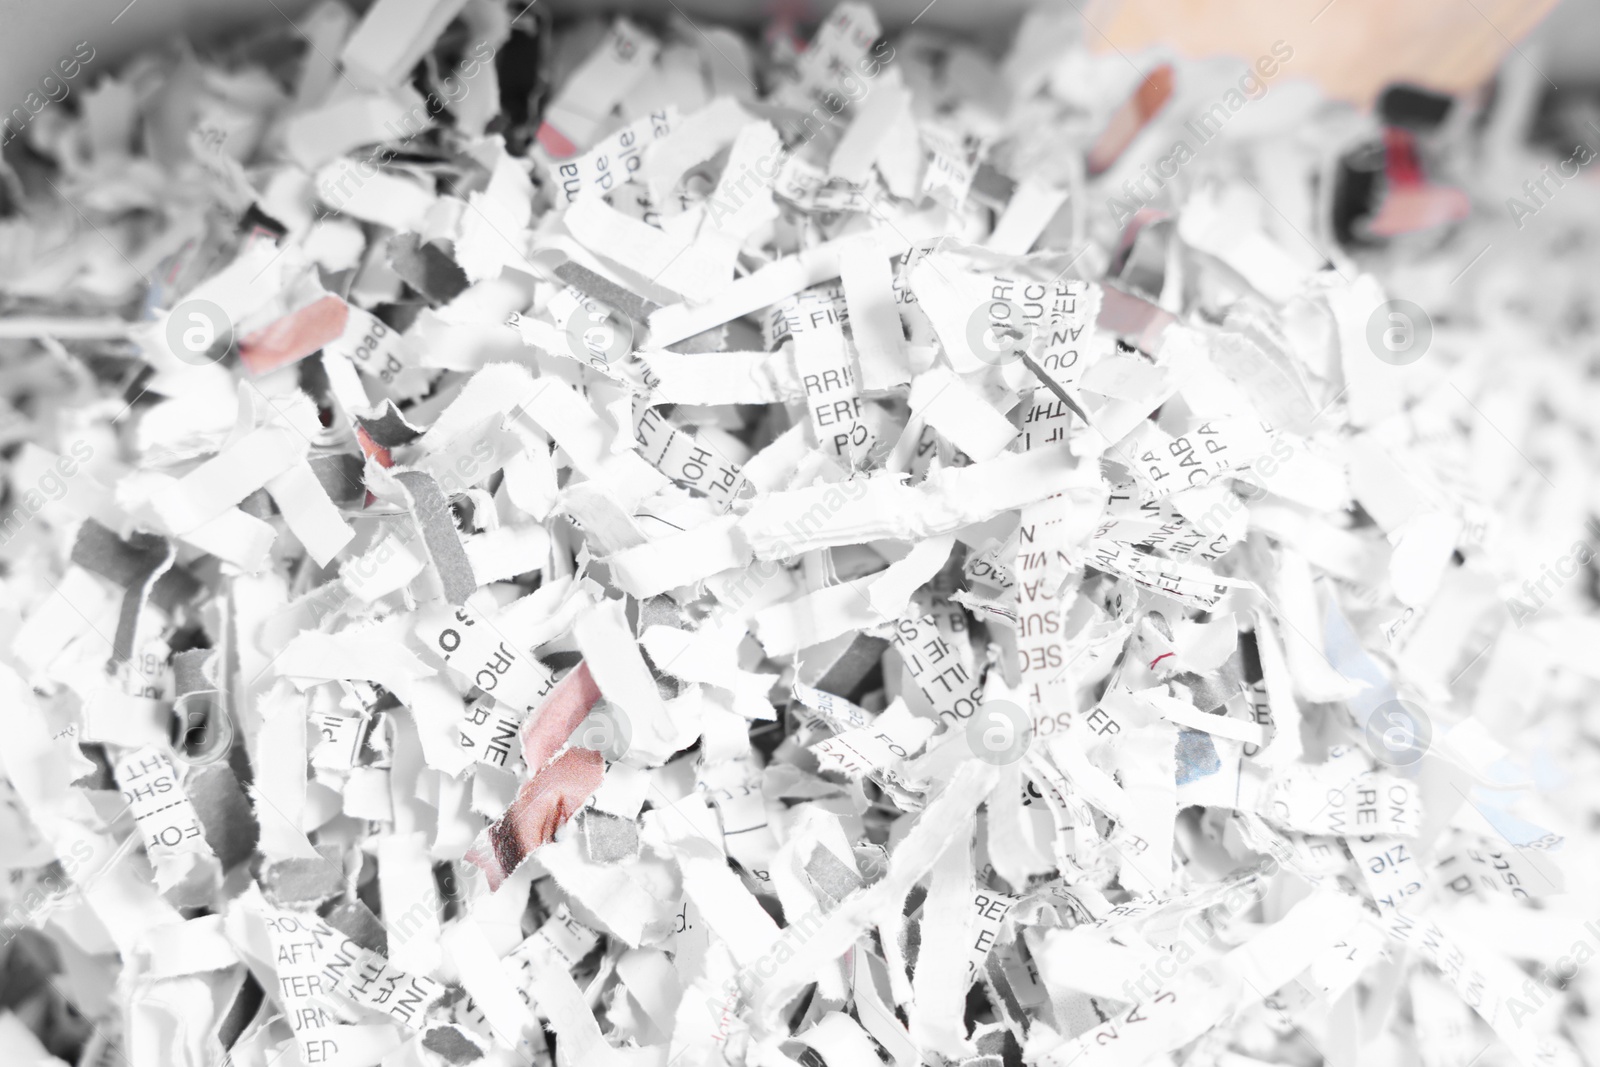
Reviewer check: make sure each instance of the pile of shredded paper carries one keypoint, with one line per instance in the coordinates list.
(622, 543)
